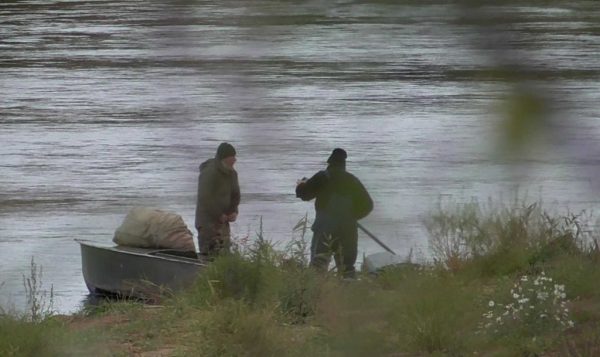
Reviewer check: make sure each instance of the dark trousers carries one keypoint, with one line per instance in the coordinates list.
(214, 238)
(343, 245)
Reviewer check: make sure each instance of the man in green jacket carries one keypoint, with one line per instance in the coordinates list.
(340, 201)
(217, 201)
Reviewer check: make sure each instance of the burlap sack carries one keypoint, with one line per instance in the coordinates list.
(152, 228)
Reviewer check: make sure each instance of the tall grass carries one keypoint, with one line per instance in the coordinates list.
(258, 274)
(262, 301)
(31, 332)
(21, 337)
(502, 239)
(259, 300)
(40, 302)
(501, 247)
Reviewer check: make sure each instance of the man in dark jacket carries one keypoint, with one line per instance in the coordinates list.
(218, 200)
(341, 200)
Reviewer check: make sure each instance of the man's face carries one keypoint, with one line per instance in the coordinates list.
(229, 161)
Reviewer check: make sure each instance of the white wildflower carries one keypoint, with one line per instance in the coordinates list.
(533, 298)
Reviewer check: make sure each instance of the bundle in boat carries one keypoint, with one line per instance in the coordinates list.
(145, 227)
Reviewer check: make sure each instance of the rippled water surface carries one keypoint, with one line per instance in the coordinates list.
(106, 105)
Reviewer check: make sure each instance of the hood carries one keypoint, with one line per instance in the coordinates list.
(214, 164)
(336, 169)
(206, 164)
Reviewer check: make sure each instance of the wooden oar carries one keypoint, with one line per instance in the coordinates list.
(375, 238)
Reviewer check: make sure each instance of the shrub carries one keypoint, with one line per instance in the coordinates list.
(499, 240)
(298, 294)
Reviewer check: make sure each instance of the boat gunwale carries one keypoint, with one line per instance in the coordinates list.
(148, 254)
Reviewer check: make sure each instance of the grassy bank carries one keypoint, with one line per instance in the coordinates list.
(504, 281)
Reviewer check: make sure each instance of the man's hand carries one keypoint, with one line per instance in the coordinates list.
(232, 217)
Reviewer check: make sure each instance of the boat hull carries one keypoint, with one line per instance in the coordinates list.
(136, 272)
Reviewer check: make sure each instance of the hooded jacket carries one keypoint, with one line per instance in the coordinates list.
(335, 179)
(218, 192)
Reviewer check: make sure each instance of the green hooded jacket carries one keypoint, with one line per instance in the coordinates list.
(218, 192)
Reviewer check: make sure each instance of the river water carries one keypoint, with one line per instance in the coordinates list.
(106, 105)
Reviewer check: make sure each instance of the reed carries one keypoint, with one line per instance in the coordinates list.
(32, 331)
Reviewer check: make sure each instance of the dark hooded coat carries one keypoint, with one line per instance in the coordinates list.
(341, 200)
(336, 180)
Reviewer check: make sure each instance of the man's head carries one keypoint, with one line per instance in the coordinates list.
(338, 157)
(226, 153)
